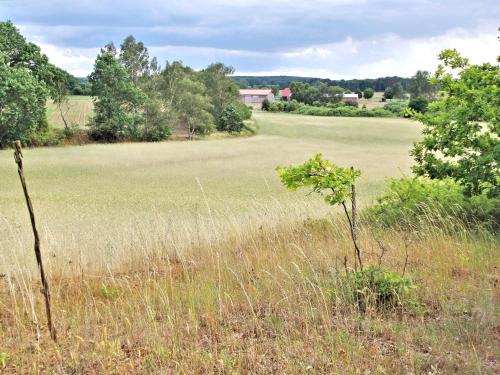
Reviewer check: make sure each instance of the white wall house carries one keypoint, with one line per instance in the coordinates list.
(256, 96)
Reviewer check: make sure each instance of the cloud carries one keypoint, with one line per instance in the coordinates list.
(331, 38)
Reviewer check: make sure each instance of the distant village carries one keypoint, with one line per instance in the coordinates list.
(257, 96)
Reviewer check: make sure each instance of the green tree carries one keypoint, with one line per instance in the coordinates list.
(461, 130)
(231, 120)
(330, 181)
(368, 93)
(359, 92)
(22, 104)
(185, 99)
(135, 58)
(275, 90)
(419, 104)
(221, 89)
(421, 86)
(117, 101)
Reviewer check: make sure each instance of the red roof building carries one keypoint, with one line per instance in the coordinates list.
(286, 93)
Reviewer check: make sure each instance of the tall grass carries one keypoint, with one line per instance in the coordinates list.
(261, 300)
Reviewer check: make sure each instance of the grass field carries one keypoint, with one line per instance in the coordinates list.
(89, 194)
(77, 112)
(189, 257)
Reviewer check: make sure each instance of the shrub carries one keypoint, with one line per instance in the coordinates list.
(230, 120)
(292, 105)
(381, 289)
(397, 107)
(410, 202)
(368, 93)
(342, 111)
(419, 104)
(266, 105)
(277, 107)
(351, 103)
(243, 110)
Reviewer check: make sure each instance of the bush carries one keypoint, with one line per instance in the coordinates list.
(379, 288)
(397, 107)
(410, 202)
(292, 105)
(351, 103)
(266, 105)
(368, 93)
(230, 120)
(419, 104)
(243, 110)
(341, 111)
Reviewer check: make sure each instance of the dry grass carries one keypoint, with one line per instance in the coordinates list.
(262, 301)
(189, 257)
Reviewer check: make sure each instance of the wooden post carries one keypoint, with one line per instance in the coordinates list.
(355, 225)
(18, 157)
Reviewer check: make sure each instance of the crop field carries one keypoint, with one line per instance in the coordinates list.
(97, 195)
(189, 257)
(77, 111)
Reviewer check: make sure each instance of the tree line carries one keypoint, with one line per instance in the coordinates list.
(134, 97)
(377, 84)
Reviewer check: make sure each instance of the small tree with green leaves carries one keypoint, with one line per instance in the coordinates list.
(334, 183)
(462, 129)
(230, 120)
(368, 93)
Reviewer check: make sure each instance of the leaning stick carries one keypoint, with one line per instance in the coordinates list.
(18, 157)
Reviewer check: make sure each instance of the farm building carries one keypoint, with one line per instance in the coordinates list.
(286, 94)
(255, 96)
(350, 98)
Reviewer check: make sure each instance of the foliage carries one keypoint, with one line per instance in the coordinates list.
(220, 88)
(421, 85)
(185, 99)
(409, 201)
(368, 93)
(377, 84)
(340, 111)
(397, 107)
(135, 58)
(22, 105)
(376, 287)
(359, 92)
(244, 110)
(320, 93)
(419, 104)
(332, 182)
(118, 102)
(266, 105)
(230, 120)
(462, 129)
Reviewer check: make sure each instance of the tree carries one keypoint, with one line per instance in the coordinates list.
(117, 101)
(221, 89)
(419, 104)
(185, 100)
(332, 182)
(462, 129)
(420, 85)
(359, 92)
(22, 104)
(230, 120)
(135, 58)
(368, 93)
(275, 90)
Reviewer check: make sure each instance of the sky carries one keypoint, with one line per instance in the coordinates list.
(337, 39)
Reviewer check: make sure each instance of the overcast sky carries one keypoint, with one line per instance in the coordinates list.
(320, 38)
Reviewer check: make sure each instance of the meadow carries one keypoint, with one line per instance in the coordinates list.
(76, 111)
(190, 257)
